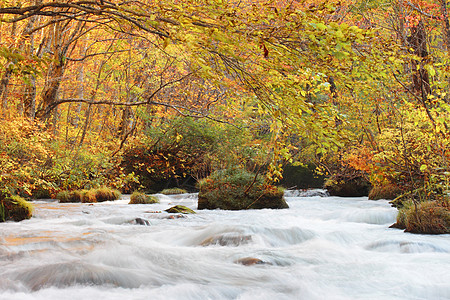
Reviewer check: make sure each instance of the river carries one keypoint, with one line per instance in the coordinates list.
(319, 248)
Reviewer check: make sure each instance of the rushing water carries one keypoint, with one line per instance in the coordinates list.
(320, 248)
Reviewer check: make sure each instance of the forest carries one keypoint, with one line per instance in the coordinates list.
(147, 95)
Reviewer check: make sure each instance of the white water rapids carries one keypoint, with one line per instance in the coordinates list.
(319, 248)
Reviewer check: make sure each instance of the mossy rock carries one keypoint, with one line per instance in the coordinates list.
(88, 196)
(237, 189)
(71, 196)
(429, 217)
(173, 191)
(15, 208)
(105, 194)
(141, 198)
(180, 209)
(387, 191)
(356, 187)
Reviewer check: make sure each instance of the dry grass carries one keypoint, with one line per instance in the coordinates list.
(88, 196)
(430, 217)
(387, 191)
(141, 198)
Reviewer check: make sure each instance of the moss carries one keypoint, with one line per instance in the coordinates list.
(141, 198)
(173, 191)
(236, 189)
(387, 191)
(70, 197)
(180, 209)
(430, 217)
(356, 187)
(88, 196)
(105, 194)
(15, 208)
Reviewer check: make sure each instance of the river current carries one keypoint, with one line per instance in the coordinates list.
(319, 248)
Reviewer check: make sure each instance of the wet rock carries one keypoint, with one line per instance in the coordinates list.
(250, 261)
(140, 221)
(306, 193)
(175, 217)
(227, 240)
(180, 209)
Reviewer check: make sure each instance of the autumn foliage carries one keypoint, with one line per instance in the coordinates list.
(134, 93)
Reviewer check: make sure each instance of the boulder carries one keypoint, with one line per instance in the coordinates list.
(227, 239)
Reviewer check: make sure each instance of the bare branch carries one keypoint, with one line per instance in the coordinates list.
(419, 10)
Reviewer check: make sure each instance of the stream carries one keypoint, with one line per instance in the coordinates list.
(319, 248)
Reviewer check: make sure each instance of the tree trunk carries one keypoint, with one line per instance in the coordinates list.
(420, 78)
(445, 23)
(5, 79)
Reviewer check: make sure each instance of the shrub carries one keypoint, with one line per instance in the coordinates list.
(173, 191)
(431, 217)
(141, 198)
(236, 189)
(387, 191)
(15, 208)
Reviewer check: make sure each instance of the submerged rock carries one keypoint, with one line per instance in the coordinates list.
(175, 217)
(250, 261)
(180, 209)
(227, 240)
(66, 274)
